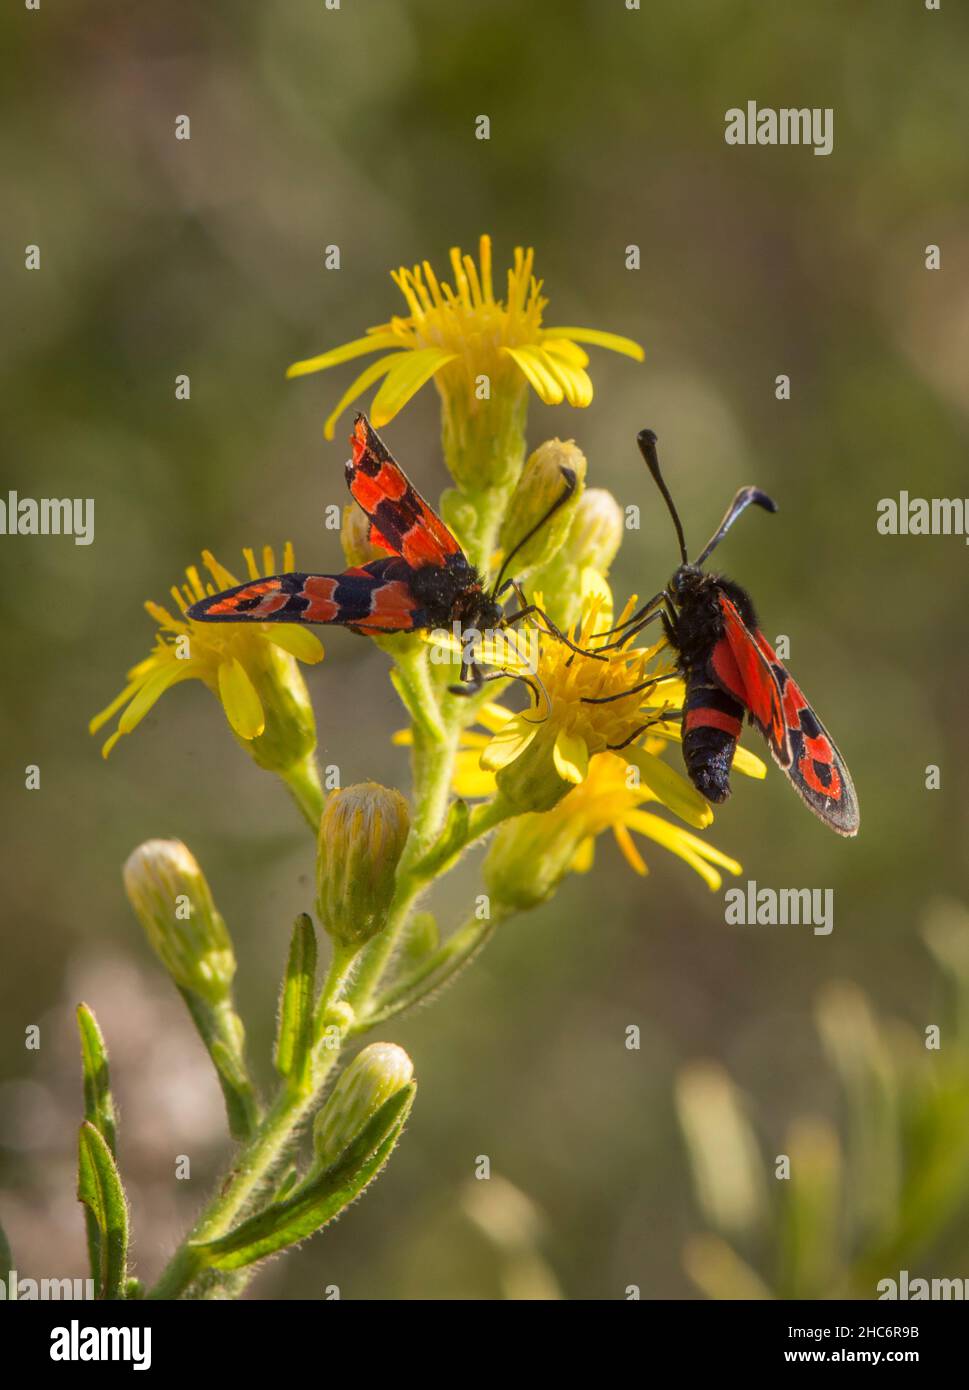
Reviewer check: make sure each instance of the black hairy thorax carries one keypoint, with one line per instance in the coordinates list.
(698, 625)
(455, 593)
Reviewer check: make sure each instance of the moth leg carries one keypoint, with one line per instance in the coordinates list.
(663, 718)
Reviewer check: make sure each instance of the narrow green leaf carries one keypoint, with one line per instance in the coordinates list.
(98, 1102)
(310, 1207)
(294, 1035)
(99, 1188)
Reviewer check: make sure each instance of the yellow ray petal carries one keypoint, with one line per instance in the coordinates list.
(241, 703)
(568, 351)
(373, 342)
(511, 740)
(630, 853)
(748, 763)
(671, 788)
(469, 779)
(304, 645)
(614, 341)
(571, 757)
(366, 378)
(575, 381)
(168, 675)
(493, 716)
(548, 387)
(405, 379)
(584, 857)
(115, 705)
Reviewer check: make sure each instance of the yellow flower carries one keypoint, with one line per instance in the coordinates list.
(459, 335)
(591, 705)
(531, 854)
(249, 667)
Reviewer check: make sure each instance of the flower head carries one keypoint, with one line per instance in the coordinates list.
(173, 902)
(461, 335)
(374, 1077)
(530, 855)
(249, 667)
(589, 704)
(363, 830)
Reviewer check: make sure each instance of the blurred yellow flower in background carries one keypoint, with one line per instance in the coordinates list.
(249, 667)
(458, 335)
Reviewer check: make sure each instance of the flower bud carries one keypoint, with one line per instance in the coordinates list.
(544, 481)
(593, 540)
(171, 899)
(373, 1077)
(529, 857)
(289, 735)
(362, 834)
(355, 537)
(596, 532)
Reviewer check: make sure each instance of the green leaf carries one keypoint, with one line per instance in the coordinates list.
(98, 1102)
(99, 1188)
(294, 1037)
(319, 1200)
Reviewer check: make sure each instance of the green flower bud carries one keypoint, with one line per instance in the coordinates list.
(593, 540)
(543, 483)
(528, 859)
(373, 1077)
(289, 735)
(172, 901)
(355, 537)
(596, 532)
(362, 834)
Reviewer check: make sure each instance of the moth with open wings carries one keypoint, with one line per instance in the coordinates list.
(425, 582)
(730, 669)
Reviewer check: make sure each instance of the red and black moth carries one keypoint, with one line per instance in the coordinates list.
(730, 669)
(425, 582)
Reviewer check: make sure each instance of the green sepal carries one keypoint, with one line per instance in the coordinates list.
(294, 1035)
(320, 1199)
(98, 1102)
(99, 1188)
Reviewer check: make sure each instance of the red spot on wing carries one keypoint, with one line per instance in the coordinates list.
(236, 601)
(321, 607)
(762, 694)
(406, 524)
(392, 609)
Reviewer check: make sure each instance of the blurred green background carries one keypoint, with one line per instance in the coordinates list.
(311, 126)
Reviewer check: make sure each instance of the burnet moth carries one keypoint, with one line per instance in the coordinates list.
(730, 669)
(425, 582)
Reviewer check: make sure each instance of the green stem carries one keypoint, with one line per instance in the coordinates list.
(303, 783)
(263, 1156)
(439, 969)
